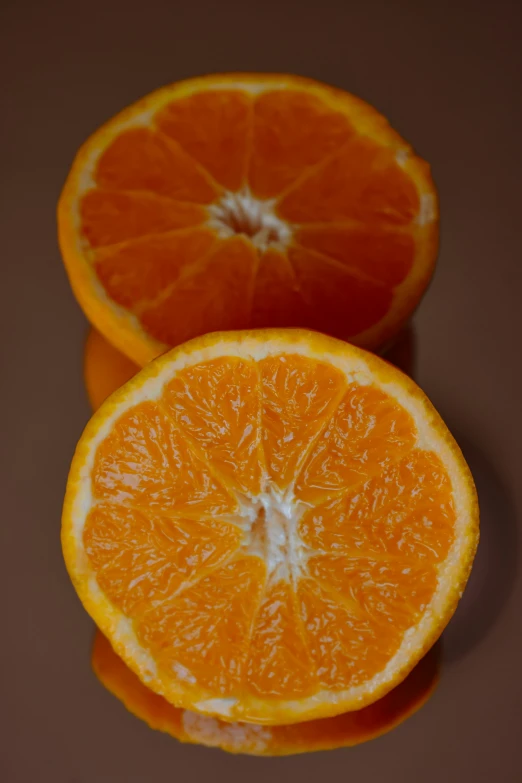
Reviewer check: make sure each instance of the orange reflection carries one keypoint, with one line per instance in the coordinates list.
(105, 369)
(351, 728)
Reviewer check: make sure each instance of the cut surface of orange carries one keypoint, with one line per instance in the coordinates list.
(269, 526)
(246, 201)
(346, 730)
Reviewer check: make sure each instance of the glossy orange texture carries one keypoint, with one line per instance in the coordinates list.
(273, 606)
(243, 201)
(351, 728)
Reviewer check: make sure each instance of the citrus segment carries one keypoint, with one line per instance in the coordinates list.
(338, 214)
(338, 299)
(112, 216)
(144, 460)
(391, 593)
(269, 526)
(142, 556)
(141, 159)
(362, 182)
(214, 128)
(277, 299)
(231, 263)
(367, 433)
(298, 396)
(138, 274)
(202, 636)
(292, 131)
(348, 729)
(279, 662)
(218, 405)
(347, 646)
(378, 254)
(407, 511)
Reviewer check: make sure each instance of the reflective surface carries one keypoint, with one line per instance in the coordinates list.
(449, 80)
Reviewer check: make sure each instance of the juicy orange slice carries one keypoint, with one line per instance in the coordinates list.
(269, 526)
(242, 201)
(348, 729)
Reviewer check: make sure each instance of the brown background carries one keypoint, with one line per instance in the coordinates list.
(448, 76)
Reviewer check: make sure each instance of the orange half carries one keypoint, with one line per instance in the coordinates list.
(269, 526)
(351, 728)
(245, 201)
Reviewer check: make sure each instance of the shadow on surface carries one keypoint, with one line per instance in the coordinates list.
(495, 567)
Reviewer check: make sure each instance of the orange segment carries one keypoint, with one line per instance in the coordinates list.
(228, 432)
(279, 663)
(139, 557)
(339, 301)
(348, 729)
(269, 526)
(145, 269)
(140, 159)
(381, 255)
(145, 461)
(111, 216)
(392, 593)
(368, 432)
(292, 131)
(214, 128)
(327, 219)
(277, 299)
(407, 511)
(200, 308)
(346, 644)
(298, 397)
(362, 182)
(203, 636)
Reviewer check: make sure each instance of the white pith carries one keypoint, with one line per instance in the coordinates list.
(270, 531)
(241, 213)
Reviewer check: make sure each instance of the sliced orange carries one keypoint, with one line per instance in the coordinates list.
(351, 728)
(239, 201)
(269, 526)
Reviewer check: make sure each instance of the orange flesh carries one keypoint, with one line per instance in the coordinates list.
(351, 728)
(213, 127)
(261, 603)
(350, 210)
